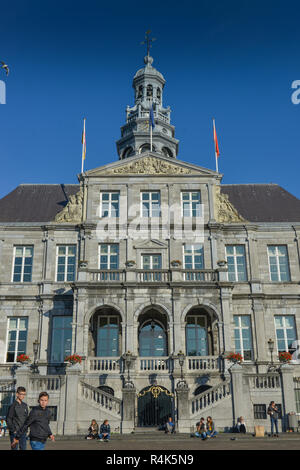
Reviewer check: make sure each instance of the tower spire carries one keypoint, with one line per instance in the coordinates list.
(148, 41)
(136, 137)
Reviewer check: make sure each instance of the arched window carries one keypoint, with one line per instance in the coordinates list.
(107, 389)
(108, 336)
(152, 339)
(158, 94)
(146, 148)
(140, 92)
(196, 335)
(149, 91)
(167, 152)
(127, 152)
(105, 333)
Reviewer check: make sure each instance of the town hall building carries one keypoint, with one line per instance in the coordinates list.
(153, 272)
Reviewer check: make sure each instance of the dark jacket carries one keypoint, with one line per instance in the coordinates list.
(16, 416)
(273, 412)
(105, 428)
(38, 422)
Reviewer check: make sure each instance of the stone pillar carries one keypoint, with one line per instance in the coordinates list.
(225, 296)
(241, 405)
(128, 403)
(183, 409)
(71, 402)
(23, 375)
(288, 393)
(260, 330)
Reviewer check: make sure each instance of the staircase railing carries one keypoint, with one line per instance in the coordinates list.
(210, 397)
(100, 398)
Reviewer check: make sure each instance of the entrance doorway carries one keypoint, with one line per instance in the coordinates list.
(155, 405)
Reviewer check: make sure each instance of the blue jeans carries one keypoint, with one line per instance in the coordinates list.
(202, 435)
(36, 445)
(274, 421)
(101, 436)
(212, 433)
(22, 441)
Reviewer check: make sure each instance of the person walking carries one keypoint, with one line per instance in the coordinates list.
(273, 413)
(38, 422)
(104, 431)
(16, 417)
(210, 426)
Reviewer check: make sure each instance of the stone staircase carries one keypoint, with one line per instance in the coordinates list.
(100, 400)
(211, 400)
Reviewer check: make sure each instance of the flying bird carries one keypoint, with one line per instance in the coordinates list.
(5, 67)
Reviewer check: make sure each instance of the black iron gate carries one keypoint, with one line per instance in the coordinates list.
(155, 405)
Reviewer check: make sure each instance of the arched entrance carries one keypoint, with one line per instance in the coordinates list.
(155, 405)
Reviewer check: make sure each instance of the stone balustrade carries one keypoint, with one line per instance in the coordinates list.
(141, 276)
(264, 381)
(210, 397)
(100, 398)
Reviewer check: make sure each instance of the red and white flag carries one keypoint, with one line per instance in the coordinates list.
(217, 152)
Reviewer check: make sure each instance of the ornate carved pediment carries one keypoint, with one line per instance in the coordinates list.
(151, 166)
(225, 212)
(72, 212)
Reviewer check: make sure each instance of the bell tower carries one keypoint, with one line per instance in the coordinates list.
(148, 84)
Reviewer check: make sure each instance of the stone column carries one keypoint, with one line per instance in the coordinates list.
(241, 400)
(23, 375)
(225, 297)
(183, 408)
(260, 331)
(288, 393)
(128, 404)
(71, 403)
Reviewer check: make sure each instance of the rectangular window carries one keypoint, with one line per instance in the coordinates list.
(297, 399)
(236, 262)
(109, 259)
(109, 204)
(65, 263)
(151, 262)
(243, 336)
(191, 204)
(23, 259)
(61, 338)
(285, 332)
(150, 204)
(16, 338)
(260, 411)
(193, 259)
(278, 263)
(108, 335)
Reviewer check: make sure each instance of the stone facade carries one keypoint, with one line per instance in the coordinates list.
(138, 296)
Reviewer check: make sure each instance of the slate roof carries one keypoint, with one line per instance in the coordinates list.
(35, 202)
(263, 202)
(255, 202)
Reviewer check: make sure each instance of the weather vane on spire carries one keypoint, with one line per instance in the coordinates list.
(148, 41)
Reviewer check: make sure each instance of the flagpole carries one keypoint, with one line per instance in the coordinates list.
(83, 146)
(216, 157)
(150, 125)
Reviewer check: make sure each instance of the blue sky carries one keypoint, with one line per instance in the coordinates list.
(231, 60)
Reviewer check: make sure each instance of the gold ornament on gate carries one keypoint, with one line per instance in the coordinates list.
(156, 391)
